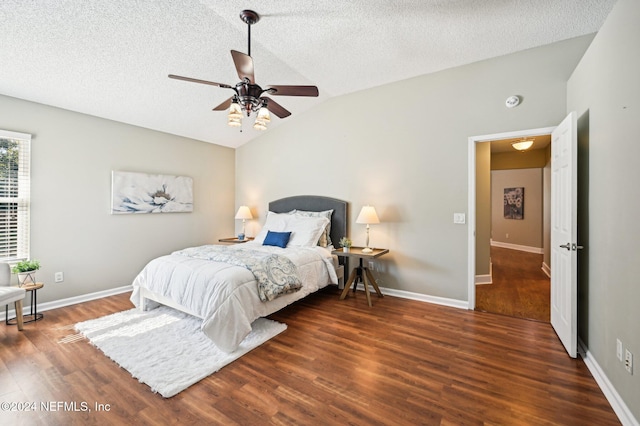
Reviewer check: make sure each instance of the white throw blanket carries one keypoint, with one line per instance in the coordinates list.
(276, 274)
(225, 296)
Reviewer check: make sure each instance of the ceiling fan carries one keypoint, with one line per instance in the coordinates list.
(248, 96)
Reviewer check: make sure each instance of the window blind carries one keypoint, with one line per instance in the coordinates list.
(15, 176)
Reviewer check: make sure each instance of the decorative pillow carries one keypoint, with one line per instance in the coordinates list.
(325, 237)
(306, 231)
(279, 239)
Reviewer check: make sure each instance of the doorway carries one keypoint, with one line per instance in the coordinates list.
(563, 245)
(518, 208)
(506, 276)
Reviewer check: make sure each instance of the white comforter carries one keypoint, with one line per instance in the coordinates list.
(226, 296)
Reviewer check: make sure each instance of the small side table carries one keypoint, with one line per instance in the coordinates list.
(33, 314)
(235, 240)
(361, 273)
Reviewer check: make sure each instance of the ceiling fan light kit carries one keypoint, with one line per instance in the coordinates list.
(248, 95)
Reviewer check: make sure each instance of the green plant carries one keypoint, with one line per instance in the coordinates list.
(345, 242)
(26, 266)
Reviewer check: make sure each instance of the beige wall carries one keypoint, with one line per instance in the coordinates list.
(604, 90)
(403, 148)
(72, 230)
(519, 160)
(528, 231)
(483, 210)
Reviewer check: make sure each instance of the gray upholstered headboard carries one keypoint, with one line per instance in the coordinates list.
(316, 204)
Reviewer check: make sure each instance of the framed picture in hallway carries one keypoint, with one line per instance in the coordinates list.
(514, 203)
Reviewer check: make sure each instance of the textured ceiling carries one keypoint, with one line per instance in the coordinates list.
(111, 58)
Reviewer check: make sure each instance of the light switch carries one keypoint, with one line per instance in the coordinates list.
(458, 218)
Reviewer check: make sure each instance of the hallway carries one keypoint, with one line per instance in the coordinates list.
(519, 289)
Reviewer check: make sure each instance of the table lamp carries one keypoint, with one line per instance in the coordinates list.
(368, 216)
(243, 213)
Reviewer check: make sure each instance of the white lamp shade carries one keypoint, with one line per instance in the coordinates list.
(263, 115)
(260, 125)
(368, 215)
(244, 213)
(235, 113)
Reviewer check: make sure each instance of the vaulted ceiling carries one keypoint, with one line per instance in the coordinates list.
(111, 58)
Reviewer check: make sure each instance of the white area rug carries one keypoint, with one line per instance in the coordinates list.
(164, 348)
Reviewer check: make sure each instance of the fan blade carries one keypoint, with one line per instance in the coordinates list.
(195, 80)
(226, 104)
(244, 65)
(293, 90)
(277, 109)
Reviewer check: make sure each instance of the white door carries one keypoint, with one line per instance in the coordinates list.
(564, 229)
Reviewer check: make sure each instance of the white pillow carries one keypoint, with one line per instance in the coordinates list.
(325, 237)
(275, 222)
(305, 231)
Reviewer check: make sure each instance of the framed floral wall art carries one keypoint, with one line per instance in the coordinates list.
(146, 193)
(514, 203)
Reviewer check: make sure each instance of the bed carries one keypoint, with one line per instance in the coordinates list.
(229, 287)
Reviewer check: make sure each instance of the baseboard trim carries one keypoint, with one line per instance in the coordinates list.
(619, 407)
(453, 303)
(546, 269)
(528, 249)
(483, 279)
(72, 300)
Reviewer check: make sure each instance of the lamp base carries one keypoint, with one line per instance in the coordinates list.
(367, 250)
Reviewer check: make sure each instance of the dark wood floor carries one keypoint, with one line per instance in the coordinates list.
(519, 288)
(400, 362)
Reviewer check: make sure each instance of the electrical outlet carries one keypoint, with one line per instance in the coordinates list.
(58, 277)
(619, 349)
(628, 361)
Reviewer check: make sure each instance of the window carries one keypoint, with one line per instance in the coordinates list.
(15, 185)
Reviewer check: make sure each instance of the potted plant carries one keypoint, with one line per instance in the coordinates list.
(26, 271)
(345, 243)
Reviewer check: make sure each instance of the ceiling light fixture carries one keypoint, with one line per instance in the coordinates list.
(248, 95)
(235, 114)
(522, 145)
(262, 119)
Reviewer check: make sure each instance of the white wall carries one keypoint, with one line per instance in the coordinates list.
(402, 147)
(528, 231)
(605, 92)
(72, 230)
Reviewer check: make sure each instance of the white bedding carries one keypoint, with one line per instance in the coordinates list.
(226, 296)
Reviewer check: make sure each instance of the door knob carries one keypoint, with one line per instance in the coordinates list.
(575, 247)
(567, 246)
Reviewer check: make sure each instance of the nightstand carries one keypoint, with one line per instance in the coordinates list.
(235, 240)
(361, 273)
(33, 314)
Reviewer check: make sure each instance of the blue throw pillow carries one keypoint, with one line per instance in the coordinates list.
(279, 239)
